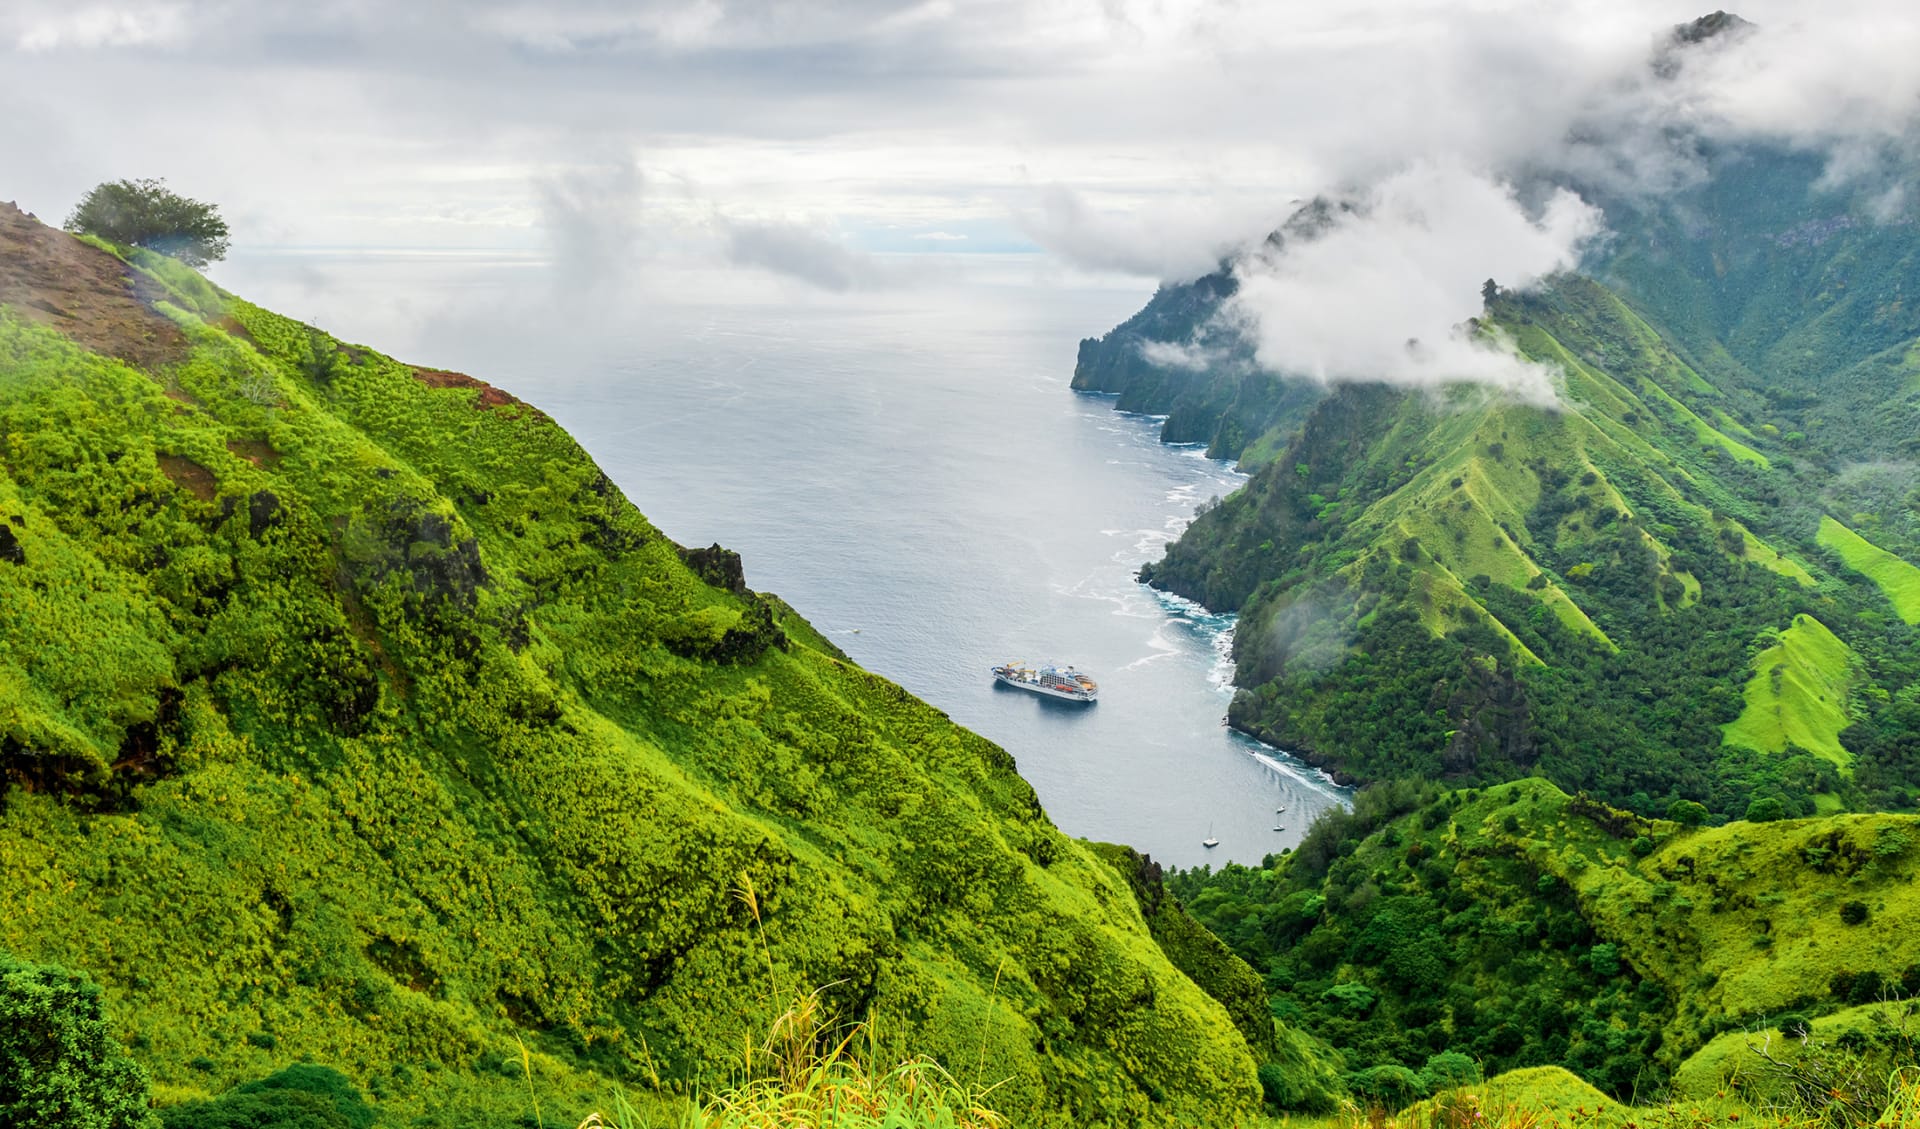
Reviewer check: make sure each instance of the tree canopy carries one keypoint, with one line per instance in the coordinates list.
(60, 1066)
(146, 213)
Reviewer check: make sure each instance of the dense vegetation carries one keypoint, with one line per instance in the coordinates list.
(1686, 596)
(1687, 582)
(60, 1066)
(1517, 927)
(382, 764)
(348, 713)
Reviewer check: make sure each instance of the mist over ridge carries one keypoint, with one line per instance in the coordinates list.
(1378, 278)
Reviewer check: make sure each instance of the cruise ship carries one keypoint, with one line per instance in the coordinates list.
(1052, 681)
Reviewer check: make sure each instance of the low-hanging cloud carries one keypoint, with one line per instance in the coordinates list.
(592, 222)
(1606, 97)
(802, 253)
(1189, 355)
(1383, 289)
(1171, 239)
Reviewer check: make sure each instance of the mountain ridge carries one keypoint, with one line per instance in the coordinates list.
(380, 730)
(1680, 481)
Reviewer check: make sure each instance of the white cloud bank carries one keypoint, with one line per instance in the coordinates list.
(1135, 136)
(1425, 161)
(1384, 290)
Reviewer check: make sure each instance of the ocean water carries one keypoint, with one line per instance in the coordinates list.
(911, 471)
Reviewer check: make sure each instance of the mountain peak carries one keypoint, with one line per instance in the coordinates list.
(1713, 27)
(1710, 26)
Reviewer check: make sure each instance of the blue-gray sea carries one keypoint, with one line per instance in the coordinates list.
(909, 468)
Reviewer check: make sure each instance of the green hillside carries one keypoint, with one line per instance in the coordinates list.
(1895, 577)
(353, 716)
(1466, 588)
(1458, 587)
(1523, 927)
(1475, 589)
(1797, 697)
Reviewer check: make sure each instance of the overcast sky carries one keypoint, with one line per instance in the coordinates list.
(799, 138)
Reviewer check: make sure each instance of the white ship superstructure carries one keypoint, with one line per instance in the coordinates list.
(1050, 680)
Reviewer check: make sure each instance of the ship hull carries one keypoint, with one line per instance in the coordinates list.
(1045, 691)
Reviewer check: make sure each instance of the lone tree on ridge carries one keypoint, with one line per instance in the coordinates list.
(145, 213)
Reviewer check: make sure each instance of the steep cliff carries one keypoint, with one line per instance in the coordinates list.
(351, 715)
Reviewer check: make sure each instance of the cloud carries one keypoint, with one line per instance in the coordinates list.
(802, 253)
(1383, 289)
(92, 27)
(591, 219)
(1172, 238)
(1125, 135)
(1581, 93)
(1189, 355)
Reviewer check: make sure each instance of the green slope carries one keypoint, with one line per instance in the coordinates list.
(352, 715)
(1453, 586)
(1798, 694)
(1528, 928)
(1895, 577)
(1473, 588)
(1462, 587)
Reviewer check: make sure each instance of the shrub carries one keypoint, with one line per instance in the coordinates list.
(1853, 913)
(1795, 1026)
(1766, 809)
(1357, 998)
(1687, 813)
(145, 213)
(60, 1068)
(1390, 1087)
(1448, 1069)
(303, 1096)
(1858, 987)
(1642, 846)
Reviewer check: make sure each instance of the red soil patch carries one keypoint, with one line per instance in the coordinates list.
(189, 476)
(231, 325)
(490, 397)
(100, 302)
(259, 452)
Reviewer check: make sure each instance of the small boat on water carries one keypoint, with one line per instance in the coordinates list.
(1048, 680)
(1209, 842)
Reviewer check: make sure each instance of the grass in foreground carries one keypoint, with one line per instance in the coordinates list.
(812, 1073)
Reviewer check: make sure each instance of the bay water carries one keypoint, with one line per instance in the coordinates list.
(909, 468)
